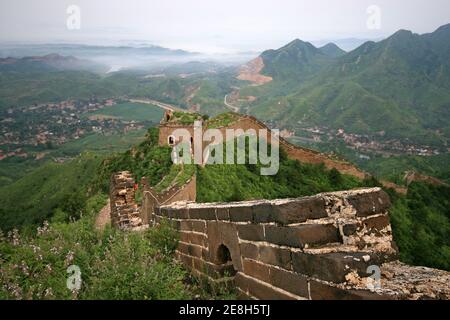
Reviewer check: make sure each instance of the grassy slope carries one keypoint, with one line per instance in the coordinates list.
(114, 264)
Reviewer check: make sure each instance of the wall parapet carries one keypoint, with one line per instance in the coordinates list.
(317, 247)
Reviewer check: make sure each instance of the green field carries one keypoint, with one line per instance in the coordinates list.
(131, 111)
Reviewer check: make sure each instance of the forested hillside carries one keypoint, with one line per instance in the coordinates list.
(399, 86)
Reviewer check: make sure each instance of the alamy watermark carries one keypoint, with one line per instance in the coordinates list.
(374, 281)
(374, 20)
(73, 21)
(207, 147)
(74, 279)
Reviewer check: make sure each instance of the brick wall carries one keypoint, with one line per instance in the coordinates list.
(309, 248)
(152, 199)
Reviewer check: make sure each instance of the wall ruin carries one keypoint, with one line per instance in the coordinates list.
(309, 248)
(125, 213)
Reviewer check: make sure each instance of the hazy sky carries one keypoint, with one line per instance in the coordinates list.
(210, 25)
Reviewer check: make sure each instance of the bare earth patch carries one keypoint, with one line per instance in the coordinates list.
(251, 72)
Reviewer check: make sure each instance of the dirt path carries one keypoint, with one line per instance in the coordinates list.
(103, 218)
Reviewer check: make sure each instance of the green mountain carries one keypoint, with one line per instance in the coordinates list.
(332, 50)
(400, 86)
(297, 60)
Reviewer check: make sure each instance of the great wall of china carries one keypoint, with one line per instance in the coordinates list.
(329, 246)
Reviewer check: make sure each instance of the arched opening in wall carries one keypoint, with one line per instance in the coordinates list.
(171, 140)
(223, 255)
(224, 260)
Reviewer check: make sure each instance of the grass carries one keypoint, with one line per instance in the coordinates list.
(222, 120)
(225, 183)
(178, 176)
(185, 118)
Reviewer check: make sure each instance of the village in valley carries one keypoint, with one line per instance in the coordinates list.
(30, 131)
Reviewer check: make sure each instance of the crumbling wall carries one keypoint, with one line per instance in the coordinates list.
(124, 210)
(309, 248)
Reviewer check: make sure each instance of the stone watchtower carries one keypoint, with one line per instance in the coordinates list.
(173, 121)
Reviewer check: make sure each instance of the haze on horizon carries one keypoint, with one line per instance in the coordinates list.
(211, 26)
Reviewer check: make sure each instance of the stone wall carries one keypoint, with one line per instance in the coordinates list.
(124, 210)
(152, 199)
(309, 248)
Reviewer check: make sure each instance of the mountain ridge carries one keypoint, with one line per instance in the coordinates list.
(400, 85)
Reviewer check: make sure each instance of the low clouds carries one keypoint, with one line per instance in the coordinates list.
(204, 25)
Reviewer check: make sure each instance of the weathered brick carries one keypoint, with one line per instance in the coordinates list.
(190, 249)
(202, 213)
(251, 232)
(322, 291)
(223, 214)
(299, 236)
(291, 282)
(199, 226)
(275, 256)
(350, 229)
(241, 214)
(184, 237)
(299, 211)
(378, 223)
(194, 238)
(368, 204)
(256, 270)
(185, 225)
(190, 225)
(249, 250)
(179, 214)
(258, 289)
(262, 213)
(330, 266)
